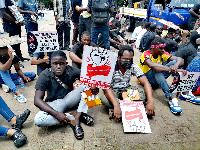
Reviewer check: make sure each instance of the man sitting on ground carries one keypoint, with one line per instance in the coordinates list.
(58, 82)
(124, 69)
(151, 64)
(77, 50)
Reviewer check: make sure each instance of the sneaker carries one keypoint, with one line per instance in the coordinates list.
(21, 66)
(20, 98)
(5, 88)
(30, 54)
(190, 98)
(20, 119)
(25, 59)
(174, 106)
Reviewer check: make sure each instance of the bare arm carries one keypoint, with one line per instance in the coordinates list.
(25, 12)
(111, 97)
(42, 105)
(75, 58)
(36, 61)
(6, 66)
(191, 11)
(150, 108)
(7, 16)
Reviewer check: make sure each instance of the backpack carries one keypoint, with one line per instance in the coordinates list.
(100, 11)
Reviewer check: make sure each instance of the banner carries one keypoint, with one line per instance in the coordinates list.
(134, 117)
(43, 41)
(184, 83)
(97, 67)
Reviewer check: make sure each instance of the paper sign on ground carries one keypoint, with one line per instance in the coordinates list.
(185, 83)
(43, 41)
(134, 117)
(97, 67)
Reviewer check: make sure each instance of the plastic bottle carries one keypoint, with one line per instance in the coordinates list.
(21, 82)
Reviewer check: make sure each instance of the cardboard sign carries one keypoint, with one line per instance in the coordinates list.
(97, 67)
(134, 117)
(43, 41)
(184, 83)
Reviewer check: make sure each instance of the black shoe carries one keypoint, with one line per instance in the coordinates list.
(30, 54)
(24, 59)
(20, 119)
(18, 138)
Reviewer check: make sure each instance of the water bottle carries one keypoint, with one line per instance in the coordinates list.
(21, 82)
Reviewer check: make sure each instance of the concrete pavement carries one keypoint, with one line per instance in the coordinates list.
(169, 132)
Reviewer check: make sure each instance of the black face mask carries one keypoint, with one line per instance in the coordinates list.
(126, 64)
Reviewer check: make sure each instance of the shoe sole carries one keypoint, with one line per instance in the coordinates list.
(190, 101)
(176, 113)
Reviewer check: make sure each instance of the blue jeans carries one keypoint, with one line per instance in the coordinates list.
(30, 27)
(159, 79)
(7, 114)
(11, 80)
(105, 33)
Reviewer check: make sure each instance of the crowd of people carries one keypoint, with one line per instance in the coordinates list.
(95, 24)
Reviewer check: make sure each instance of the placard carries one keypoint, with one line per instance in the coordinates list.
(97, 67)
(134, 117)
(43, 41)
(184, 83)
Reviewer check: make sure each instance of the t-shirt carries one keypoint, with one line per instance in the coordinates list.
(47, 82)
(120, 80)
(5, 58)
(147, 55)
(28, 5)
(78, 50)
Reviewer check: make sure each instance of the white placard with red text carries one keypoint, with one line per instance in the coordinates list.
(134, 117)
(97, 67)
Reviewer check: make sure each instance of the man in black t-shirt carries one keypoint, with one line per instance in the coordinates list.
(77, 50)
(195, 14)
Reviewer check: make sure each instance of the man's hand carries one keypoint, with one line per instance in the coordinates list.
(94, 90)
(57, 24)
(117, 113)
(46, 59)
(183, 71)
(184, 33)
(173, 68)
(27, 79)
(61, 117)
(150, 109)
(10, 51)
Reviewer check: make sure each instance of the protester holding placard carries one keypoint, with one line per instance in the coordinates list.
(124, 69)
(157, 73)
(11, 25)
(41, 61)
(58, 82)
(29, 9)
(77, 50)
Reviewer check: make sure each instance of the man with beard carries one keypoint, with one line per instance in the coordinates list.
(124, 69)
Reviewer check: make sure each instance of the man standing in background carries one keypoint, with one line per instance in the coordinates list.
(63, 26)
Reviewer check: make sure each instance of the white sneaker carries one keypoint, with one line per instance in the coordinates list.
(5, 88)
(20, 98)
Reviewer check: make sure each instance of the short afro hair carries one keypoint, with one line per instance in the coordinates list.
(125, 48)
(59, 53)
(157, 41)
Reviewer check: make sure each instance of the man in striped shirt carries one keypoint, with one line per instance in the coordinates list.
(124, 69)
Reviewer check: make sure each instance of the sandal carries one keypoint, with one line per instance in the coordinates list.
(20, 119)
(77, 130)
(18, 138)
(85, 118)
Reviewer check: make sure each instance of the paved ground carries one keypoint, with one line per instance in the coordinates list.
(168, 131)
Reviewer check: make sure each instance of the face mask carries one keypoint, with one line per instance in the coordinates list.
(126, 64)
(177, 38)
